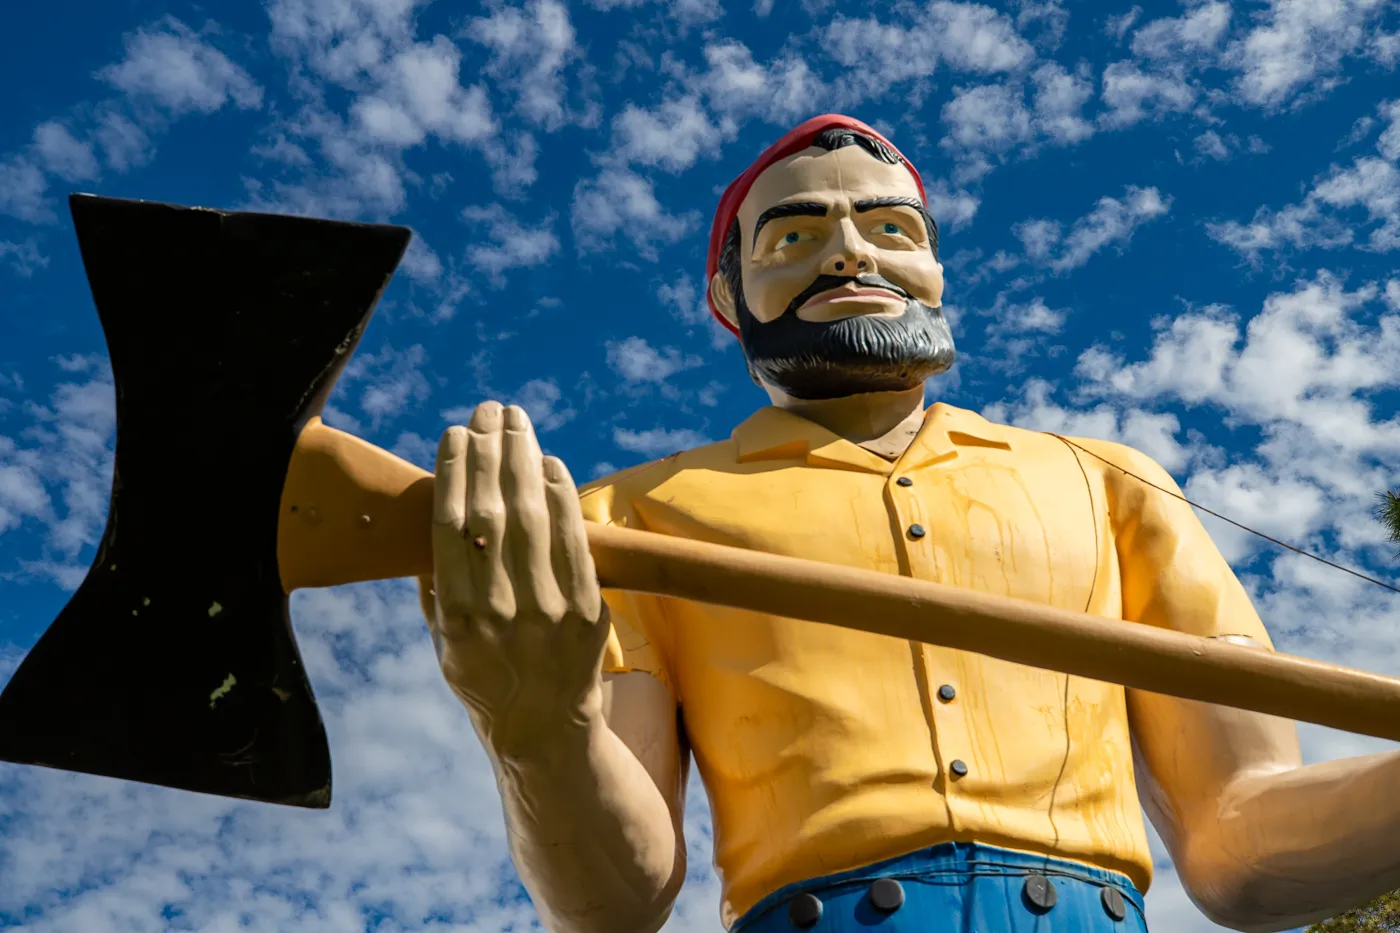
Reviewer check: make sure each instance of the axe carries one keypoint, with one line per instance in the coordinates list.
(174, 662)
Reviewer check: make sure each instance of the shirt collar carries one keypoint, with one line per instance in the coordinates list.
(772, 433)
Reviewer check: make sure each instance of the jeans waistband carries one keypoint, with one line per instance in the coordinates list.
(949, 863)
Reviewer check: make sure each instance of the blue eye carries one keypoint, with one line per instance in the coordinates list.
(891, 229)
(793, 238)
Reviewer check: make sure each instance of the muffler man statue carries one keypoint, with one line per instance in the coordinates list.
(860, 782)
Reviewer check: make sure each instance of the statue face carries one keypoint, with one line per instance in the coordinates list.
(820, 217)
(840, 293)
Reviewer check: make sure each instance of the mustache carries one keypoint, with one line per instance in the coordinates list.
(825, 283)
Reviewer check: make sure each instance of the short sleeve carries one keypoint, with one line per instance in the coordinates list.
(1173, 575)
(638, 619)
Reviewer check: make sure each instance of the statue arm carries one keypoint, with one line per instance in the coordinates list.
(595, 825)
(1261, 842)
(594, 822)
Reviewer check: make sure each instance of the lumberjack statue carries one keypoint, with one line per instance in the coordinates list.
(954, 748)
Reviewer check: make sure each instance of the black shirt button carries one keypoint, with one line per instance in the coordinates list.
(1039, 892)
(887, 895)
(905, 481)
(1113, 903)
(804, 911)
(958, 767)
(916, 531)
(946, 693)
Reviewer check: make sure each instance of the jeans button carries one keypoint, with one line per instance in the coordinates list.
(887, 895)
(804, 911)
(1039, 892)
(1113, 903)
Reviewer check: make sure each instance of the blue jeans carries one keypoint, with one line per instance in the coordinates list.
(956, 887)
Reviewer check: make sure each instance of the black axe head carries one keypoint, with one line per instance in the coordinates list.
(174, 662)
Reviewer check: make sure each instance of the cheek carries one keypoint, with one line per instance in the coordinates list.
(918, 274)
(769, 291)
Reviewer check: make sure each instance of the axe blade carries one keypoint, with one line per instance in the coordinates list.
(174, 663)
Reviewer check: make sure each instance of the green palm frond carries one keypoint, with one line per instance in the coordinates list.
(1388, 512)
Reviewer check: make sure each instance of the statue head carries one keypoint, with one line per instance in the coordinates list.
(824, 262)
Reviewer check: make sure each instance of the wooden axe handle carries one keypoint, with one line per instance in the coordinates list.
(353, 512)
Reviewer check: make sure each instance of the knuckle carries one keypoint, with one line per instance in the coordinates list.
(492, 514)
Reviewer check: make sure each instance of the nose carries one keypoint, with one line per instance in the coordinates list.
(849, 252)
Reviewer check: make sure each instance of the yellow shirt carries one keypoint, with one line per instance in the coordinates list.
(824, 749)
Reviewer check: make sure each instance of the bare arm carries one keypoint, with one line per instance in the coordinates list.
(590, 769)
(1261, 843)
(595, 818)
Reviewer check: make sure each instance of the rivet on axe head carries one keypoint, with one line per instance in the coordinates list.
(364, 521)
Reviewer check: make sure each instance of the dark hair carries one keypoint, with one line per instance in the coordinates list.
(830, 140)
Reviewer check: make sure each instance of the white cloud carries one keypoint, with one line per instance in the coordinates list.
(974, 37)
(1298, 47)
(738, 88)
(618, 201)
(1112, 221)
(389, 382)
(170, 66)
(23, 257)
(511, 245)
(544, 403)
(22, 187)
(1389, 142)
(1132, 94)
(58, 471)
(671, 135)
(687, 303)
(951, 208)
(531, 48)
(1175, 38)
(1033, 315)
(637, 361)
(658, 442)
(62, 154)
(1153, 433)
(1319, 221)
(125, 145)
(686, 12)
(990, 117)
(1118, 26)
(1059, 98)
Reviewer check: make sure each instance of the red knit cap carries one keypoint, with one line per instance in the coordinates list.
(795, 140)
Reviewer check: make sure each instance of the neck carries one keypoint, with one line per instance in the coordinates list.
(882, 422)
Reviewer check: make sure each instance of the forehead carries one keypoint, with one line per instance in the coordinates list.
(847, 174)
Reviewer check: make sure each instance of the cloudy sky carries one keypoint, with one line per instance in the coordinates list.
(1169, 224)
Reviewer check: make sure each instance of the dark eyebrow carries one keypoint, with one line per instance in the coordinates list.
(872, 204)
(795, 209)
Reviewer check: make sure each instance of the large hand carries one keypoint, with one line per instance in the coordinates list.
(519, 619)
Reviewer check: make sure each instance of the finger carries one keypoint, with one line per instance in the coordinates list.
(492, 593)
(528, 531)
(573, 562)
(450, 565)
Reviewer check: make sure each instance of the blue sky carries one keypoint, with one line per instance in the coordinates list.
(1169, 224)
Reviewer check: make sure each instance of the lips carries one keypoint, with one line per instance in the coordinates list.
(846, 291)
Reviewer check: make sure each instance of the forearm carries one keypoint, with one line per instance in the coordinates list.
(591, 835)
(1297, 846)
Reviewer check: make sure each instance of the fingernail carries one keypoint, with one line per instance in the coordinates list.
(454, 442)
(515, 418)
(552, 470)
(487, 416)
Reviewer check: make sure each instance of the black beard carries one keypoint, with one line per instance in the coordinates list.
(833, 359)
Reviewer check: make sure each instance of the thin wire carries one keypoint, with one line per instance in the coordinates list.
(1282, 544)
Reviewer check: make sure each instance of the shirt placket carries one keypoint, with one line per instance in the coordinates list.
(919, 545)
